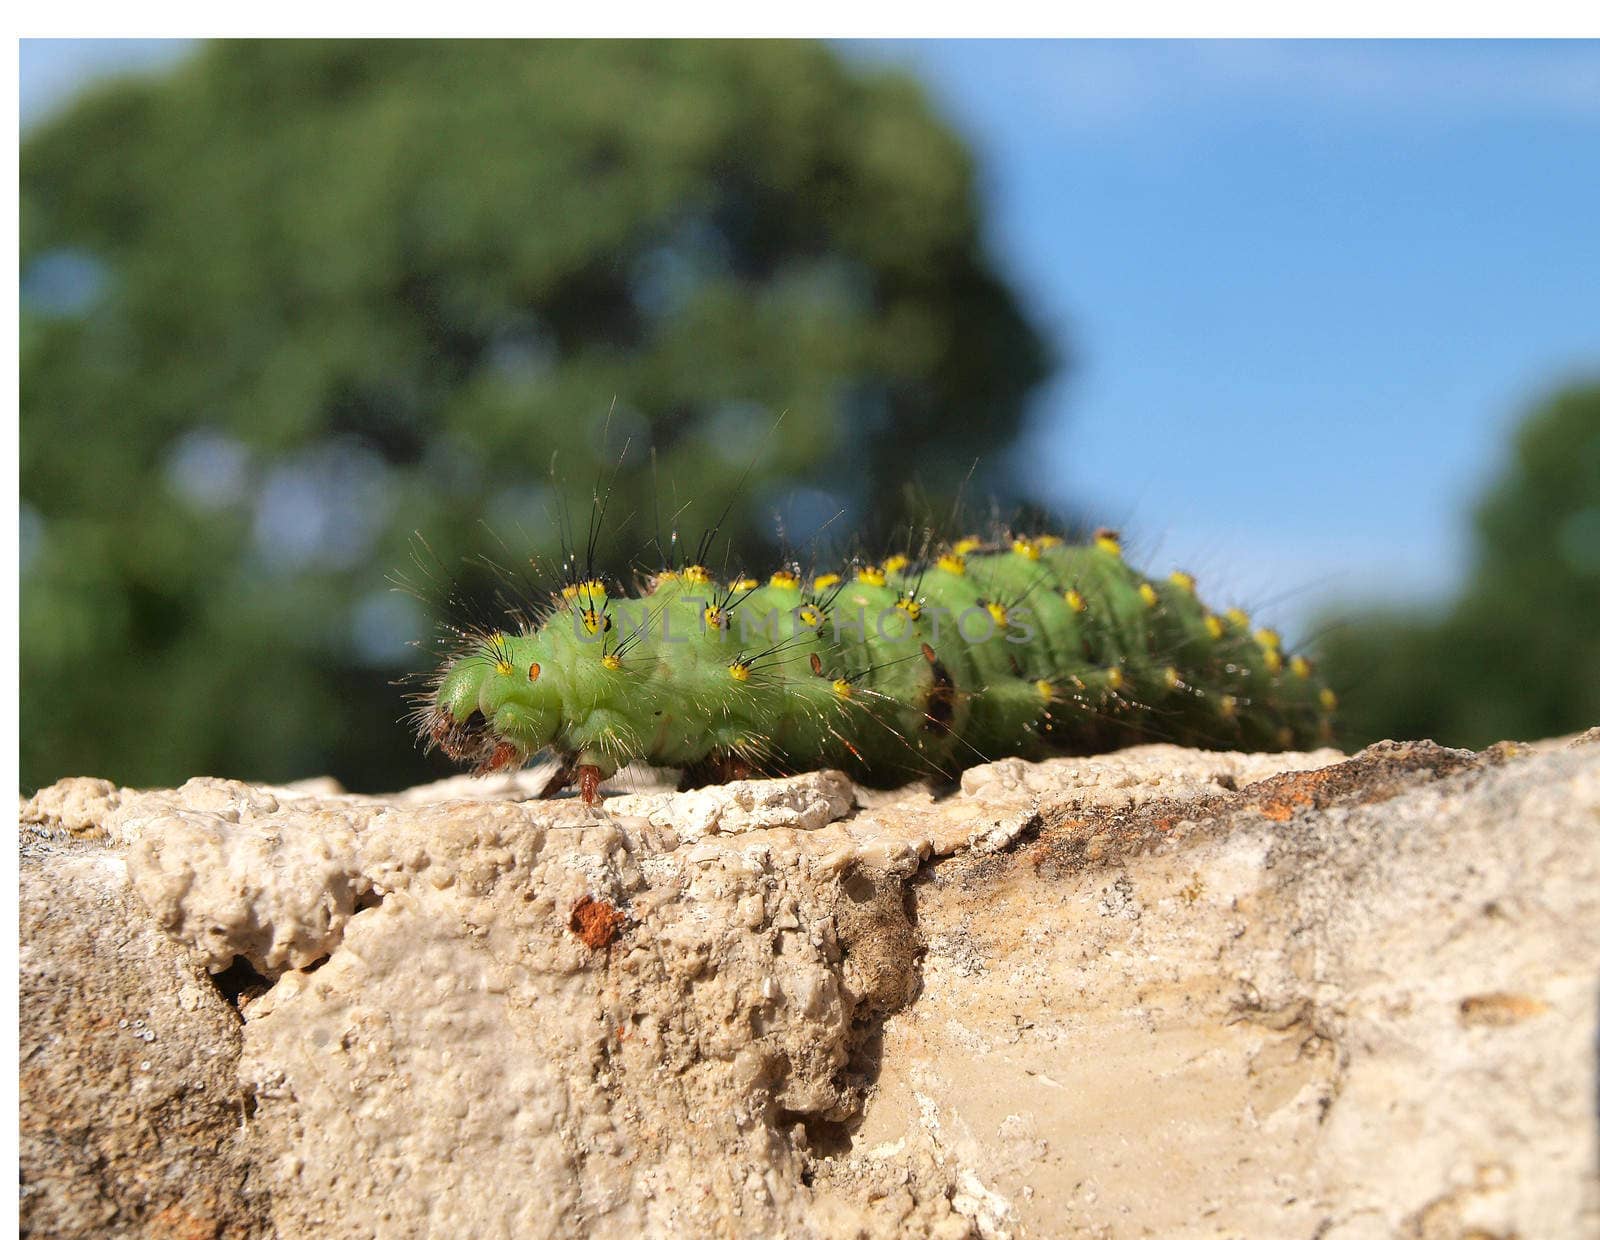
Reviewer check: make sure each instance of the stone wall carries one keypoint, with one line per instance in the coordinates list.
(1161, 992)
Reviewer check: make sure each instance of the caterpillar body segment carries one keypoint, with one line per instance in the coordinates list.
(1023, 646)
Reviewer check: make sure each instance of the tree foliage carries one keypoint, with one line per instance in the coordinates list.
(295, 300)
(1518, 653)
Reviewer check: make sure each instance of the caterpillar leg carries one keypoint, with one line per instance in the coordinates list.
(588, 777)
(560, 778)
(717, 769)
(589, 784)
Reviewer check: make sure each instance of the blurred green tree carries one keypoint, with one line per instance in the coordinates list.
(1518, 654)
(294, 300)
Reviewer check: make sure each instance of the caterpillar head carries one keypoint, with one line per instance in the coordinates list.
(495, 704)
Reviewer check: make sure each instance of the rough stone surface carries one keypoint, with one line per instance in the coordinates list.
(133, 1120)
(1160, 992)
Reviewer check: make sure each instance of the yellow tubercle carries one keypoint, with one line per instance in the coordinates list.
(611, 662)
(1273, 660)
(1046, 690)
(593, 621)
(697, 574)
(870, 574)
(1300, 666)
(810, 617)
(1107, 541)
(716, 618)
(953, 563)
(1269, 639)
(1075, 601)
(842, 688)
(1213, 626)
(1147, 592)
(1184, 581)
(1328, 700)
(1027, 548)
(1239, 619)
(1047, 541)
(998, 611)
(910, 606)
(745, 583)
(739, 670)
(1115, 679)
(591, 592)
(825, 582)
(1228, 706)
(896, 563)
(1171, 678)
(783, 580)
(967, 545)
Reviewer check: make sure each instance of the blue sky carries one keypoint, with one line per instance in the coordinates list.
(1310, 286)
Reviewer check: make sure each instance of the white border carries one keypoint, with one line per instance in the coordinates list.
(829, 19)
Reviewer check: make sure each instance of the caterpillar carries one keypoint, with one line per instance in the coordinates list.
(1011, 644)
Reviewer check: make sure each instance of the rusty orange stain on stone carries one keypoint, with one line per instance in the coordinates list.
(1296, 790)
(596, 923)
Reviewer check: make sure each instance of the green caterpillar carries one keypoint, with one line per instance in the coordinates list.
(1021, 645)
